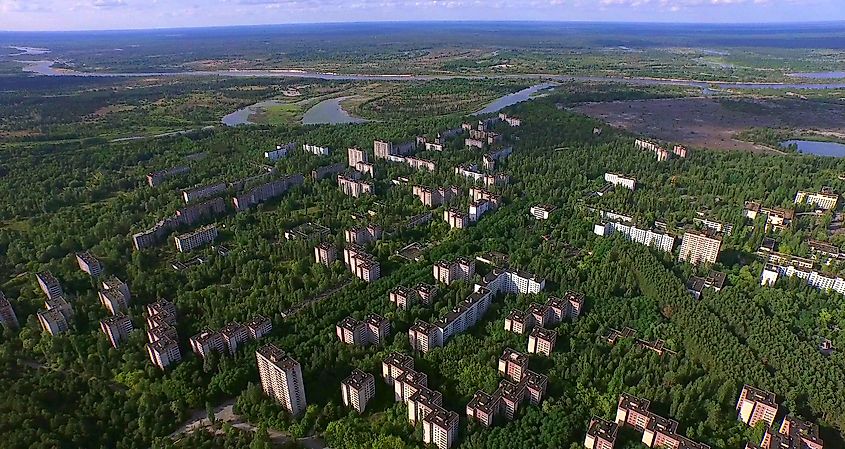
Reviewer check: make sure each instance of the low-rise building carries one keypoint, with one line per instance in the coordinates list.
(756, 405)
(89, 264)
(207, 341)
(154, 179)
(617, 179)
(697, 248)
(542, 211)
(601, 434)
(325, 253)
(357, 390)
(714, 280)
(191, 240)
(541, 341)
(776, 218)
(116, 328)
(258, 327)
(164, 352)
(826, 199)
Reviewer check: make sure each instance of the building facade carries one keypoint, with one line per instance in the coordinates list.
(697, 248)
(281, 378)
(357, 390)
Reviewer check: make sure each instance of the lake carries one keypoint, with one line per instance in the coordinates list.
(830, 149)
(514, 98)
(330, 112)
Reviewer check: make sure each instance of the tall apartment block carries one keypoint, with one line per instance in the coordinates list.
(354, 187)
(188, 241)
(116, 328)
(632, 411)
(258, 327)
(52, 321)
(200, 192)
(154, 179)
(316, 150)
(281, 378)
(89, 264)
(363, 235)
(440, 427)
(7, 314)
(372, 331)
(648, 237)
(541, 341)
(49, 284)
(114, 283)
(113, 300)
(394, 365)
(512, 121)
(357, 390)
(826, 199)
(456, 218)
(513, 365)
(405, 297)
(793, 433)
(462, 269)
(206, 342)
(699, 248)
(423, 336)
(601, 434)
(755, 405)
(325, 253)
(433, 197)
(483, 408)
(364, 266)
(233, 334)
(162, 306)
(265, 192)
(356, 155)
(164, 352)
(617, 179)
(59, 304)
(320, 173)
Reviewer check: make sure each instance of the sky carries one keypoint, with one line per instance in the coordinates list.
(61, 15)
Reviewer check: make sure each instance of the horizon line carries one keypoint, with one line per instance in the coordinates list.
(440, 21)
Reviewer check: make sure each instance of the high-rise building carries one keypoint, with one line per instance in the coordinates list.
(440, 427)
(49, 284)
(632, 411)
(205, 342)
(89, 264)
(456, 218)
(164, 352)
(234, 334)
(113, 300)
(541, 341)
(325, 253)
(154, 179)
(258, 327)
(699, 248)
(7, 314)
(188, 241)
(200, 192)
(357, 390)
(601, 434)
(462, 269)
(52, 321)
(755, 405)
(356, 155)
(513, 364)
(116, 328)
(483, 407)
(617, 179)
(394, 365)
(281, 378)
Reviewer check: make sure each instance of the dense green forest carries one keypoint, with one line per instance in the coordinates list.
(75, 391)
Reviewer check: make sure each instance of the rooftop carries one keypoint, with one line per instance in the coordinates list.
(543, 333)
(277, 357)
(514, 356)
(358, 379)
(629, 402)
(442, 418)
(762, 396)
(603, 429)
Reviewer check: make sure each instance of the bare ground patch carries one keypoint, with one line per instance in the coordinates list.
(714, 123)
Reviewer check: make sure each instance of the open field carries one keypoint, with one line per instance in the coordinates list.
(715, 123)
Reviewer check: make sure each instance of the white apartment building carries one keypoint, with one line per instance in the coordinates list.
(164, 352)
(440, 427)
(116, 328)
(316, 150)
(357, 390)
(188, 241)
(542, 211)
(825, 199)
(281, 378)
(663, 242)
(621, 180)
(699, 248)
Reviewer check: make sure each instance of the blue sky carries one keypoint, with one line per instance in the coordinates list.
(54, 15)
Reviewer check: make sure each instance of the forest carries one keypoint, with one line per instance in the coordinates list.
(76, 391)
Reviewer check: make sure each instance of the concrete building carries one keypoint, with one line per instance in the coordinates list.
(194, 239)
(633, 412)
(316, 150)
(462, 269)
(440, 427)
(161, 331)
(364, 266)
(89, 264)
(697, 248)
(394, 365)
(258, 327)
(372, 331)
(519, 322)
(423, 336)
(53, 321)
(512, 121)
(402, 297)
(206, 342)
(825, 200)
(513, 364)
(162, 307)
(356, 155)
(366, 168)
(233, 335)
(426, 292)
(756, 405)
(280, 152)
(456, 218)
(487, 180)
(511, 281)
(353, 187)
(281, 378)
(325, 253)
(320, 173)
(363, 235)
(49, 284)
(200, 192)
(433, 197)
(714, 280)
(491, 158)
(116, 328)
(164, 352)
(8, 318)
(479, 208)
(541, 341)
(484, 408)
(601, 434)
(542, 211)
(617, 179)
(186, 216)
(59, 304)
(357, 390)
(799, 434)
(661, 432)
(776, 218)
(648, 237)
(680, 151)
(154, 179)
(113, 300)
(114, 283)
(266, 191)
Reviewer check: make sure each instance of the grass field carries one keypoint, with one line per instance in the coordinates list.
(288, 113)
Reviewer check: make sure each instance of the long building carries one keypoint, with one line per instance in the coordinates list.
(281, 378)
(825, 200)
(53, 321)
(320, 173)
(357, 390)
(197, 193)
(354, 187)
(697, 248)
(191, 240)
(657, 431)
(433, 197)
(373, 330)
(755, 405)
(266, 192)
(648, 237)
(363, 265)
(316, 150)
(815, 279)
(154, 179)
(617, 179)
(186, 216)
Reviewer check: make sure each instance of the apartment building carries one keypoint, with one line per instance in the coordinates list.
(355, 155)
(513, 364)
(402, 297)
(793, 433)
(266, 191)
(321, 173)
(519, 322)
(394, 365)
(680, 151)
(462, 269)
(161, 331)
(366, 168)
(49, 284)
(426, 292)
(373, 330)
(316, 150)
(258, 327)
(114, 283)
(601, 434)
(233, 335)
(484, 408)
(697, 248)
(206, 191)
(357, 390)
(206, 342)
(511, 281)
(633, 412)
(280, 152)
(364, 266)
(656, 239)
(353, 187)
(89, 264)
(189, 241)
(813, 278)
(423, 336)
(154, 179)
(53, 321)
(281, 378)
(186, 216)
(456, 218)
(490, 159)
(714, 280)
(776, 218)
(8, 318)
(325, 253)
(716, 227)
(541, 341)
(164, 352)
(363, 235)
(479, 208)
(113, 300)
(617, 179)
(161, 307)
(542, 211)
(826, 199)
(116, 328)
(756, 405)
(59, 304)
(440, 427)
(433, 197)
(661, 432)
(512, 121)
